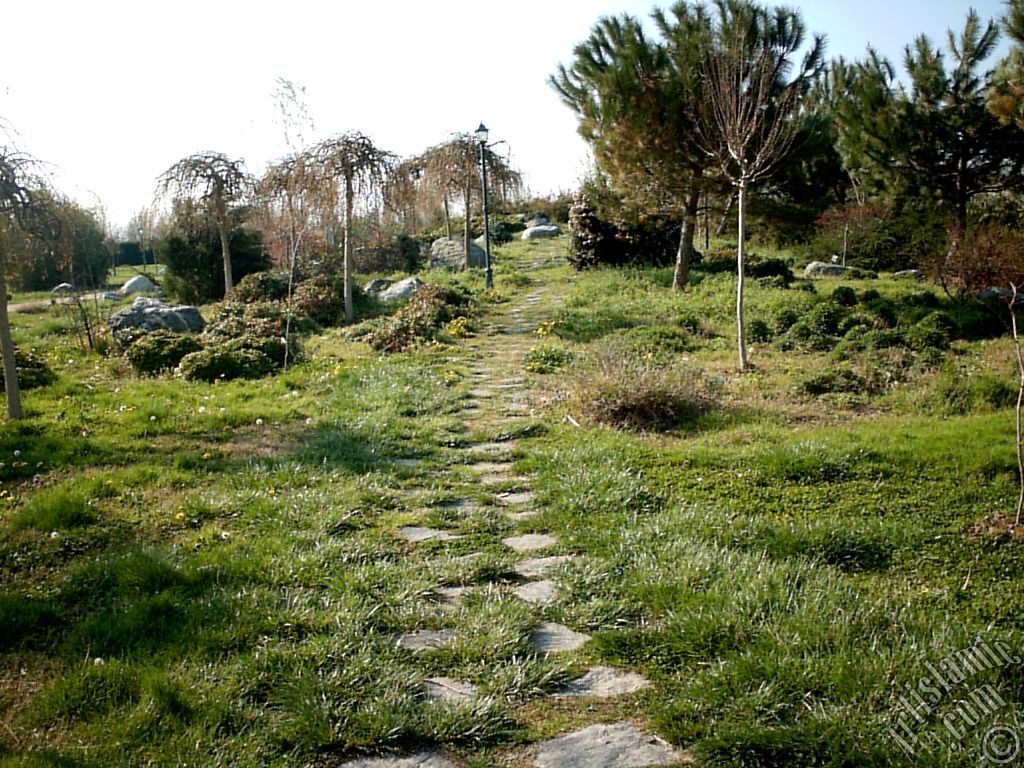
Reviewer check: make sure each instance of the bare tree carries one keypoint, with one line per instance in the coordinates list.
(216, 180)
(16, 205)
(349, 166)
(746, 124)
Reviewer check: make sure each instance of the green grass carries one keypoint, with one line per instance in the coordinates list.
(210, 574)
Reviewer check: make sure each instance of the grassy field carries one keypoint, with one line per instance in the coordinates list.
(197, 574)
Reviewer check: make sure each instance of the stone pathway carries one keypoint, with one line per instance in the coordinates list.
(499, 397)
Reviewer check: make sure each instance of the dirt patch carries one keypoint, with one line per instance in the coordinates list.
(265, 443)
(998, 526)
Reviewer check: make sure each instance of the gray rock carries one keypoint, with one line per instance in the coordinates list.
(909, 274)
(415, 535)
(537, 592)
(544, 230)
(376, 286)
(513, 499)
(111, 296)
(426, 639)
(63, 288)
(530, 542)
(541, 566)
(823, 269)
(403, 289)
(450, 254)
(997, 294)
(535, 220)
(151, 314)
(617, 745)
(138, 284)
(604, 682)
(448, 689)
(554, 638)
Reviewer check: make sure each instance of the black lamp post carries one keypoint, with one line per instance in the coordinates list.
(481, 136)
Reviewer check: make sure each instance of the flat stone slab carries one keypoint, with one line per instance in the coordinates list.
(415, 534)
(517, 408)
(450, 597)
(482, 392)
(618, 745)
(537, 592)
(426, 639)
(603, 683)
(554, 638)
(408, 462)
(530, 542)
(541, 566)
(448, 689)
(489, 448)
(491, 466)
(522, 497)
(521, 516)
(422, 760)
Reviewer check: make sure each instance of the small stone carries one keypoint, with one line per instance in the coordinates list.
(541, 566)
(491, 467)
(537, 592)
(554, 638)
(449, 690)
(426, 639)
(604, 682)
(450, 597)
(618, 745)
(422, 760)
(529, 542)
(509, 499)
(415, 534)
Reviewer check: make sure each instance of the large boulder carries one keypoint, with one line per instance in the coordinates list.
(403, 289)
(824, 269)
(150, 314)
(449, 254)
(542, 230)
(535, 220)
(138, 284)
(908, 274)
(63, 288)
(376, 286)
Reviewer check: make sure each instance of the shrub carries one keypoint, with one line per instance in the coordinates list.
(759, 332)
(32, 370)
(401, 253)
(771, 268)
(547, 359)
(262, 286)
(321, 299)
(421, 319)
(833, 380)
(599, 239)
(934, 331)
(785, 318)
(160, 350)
(225, 363)
(273, 347)
(626, 392)
(232, 320)
(844, 296)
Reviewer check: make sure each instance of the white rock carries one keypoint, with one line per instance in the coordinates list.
(554, 638)
(604, 682)
(403, 289)
(543, 230)
(617, 745)
(138, 284)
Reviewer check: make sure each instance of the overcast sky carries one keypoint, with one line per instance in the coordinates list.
(111, 93)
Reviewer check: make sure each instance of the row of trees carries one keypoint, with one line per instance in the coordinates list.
(732, 97)
(306, 205)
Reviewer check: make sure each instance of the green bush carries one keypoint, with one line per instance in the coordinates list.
(160, 350)
(33, 371)
(597, 238)
(320, 298)
(833, 380)
(273, 347)
(784, 319)
(225, 363)
(774, 269)
(934, 331)
(844, 296)
(421, 319)
(759, 332)
(262, 286)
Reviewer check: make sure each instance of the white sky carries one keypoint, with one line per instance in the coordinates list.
(111, 93)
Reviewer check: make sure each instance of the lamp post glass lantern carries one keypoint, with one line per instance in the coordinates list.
(481, 136)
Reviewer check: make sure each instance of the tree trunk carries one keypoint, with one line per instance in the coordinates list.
(466, 196)
(1020, 401)
(684, 255)
(725, 216)
(7, 348)
(347, 251)
(225, 248)
(707, 222)
(741, 337)
(447, 219)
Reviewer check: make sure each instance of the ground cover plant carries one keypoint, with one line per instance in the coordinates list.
(215, 574)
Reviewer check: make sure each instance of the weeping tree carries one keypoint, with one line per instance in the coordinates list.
(348, 167)
(404, 191)
(215, 180)
(17, 205)
(748, 118)
(454, 168)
